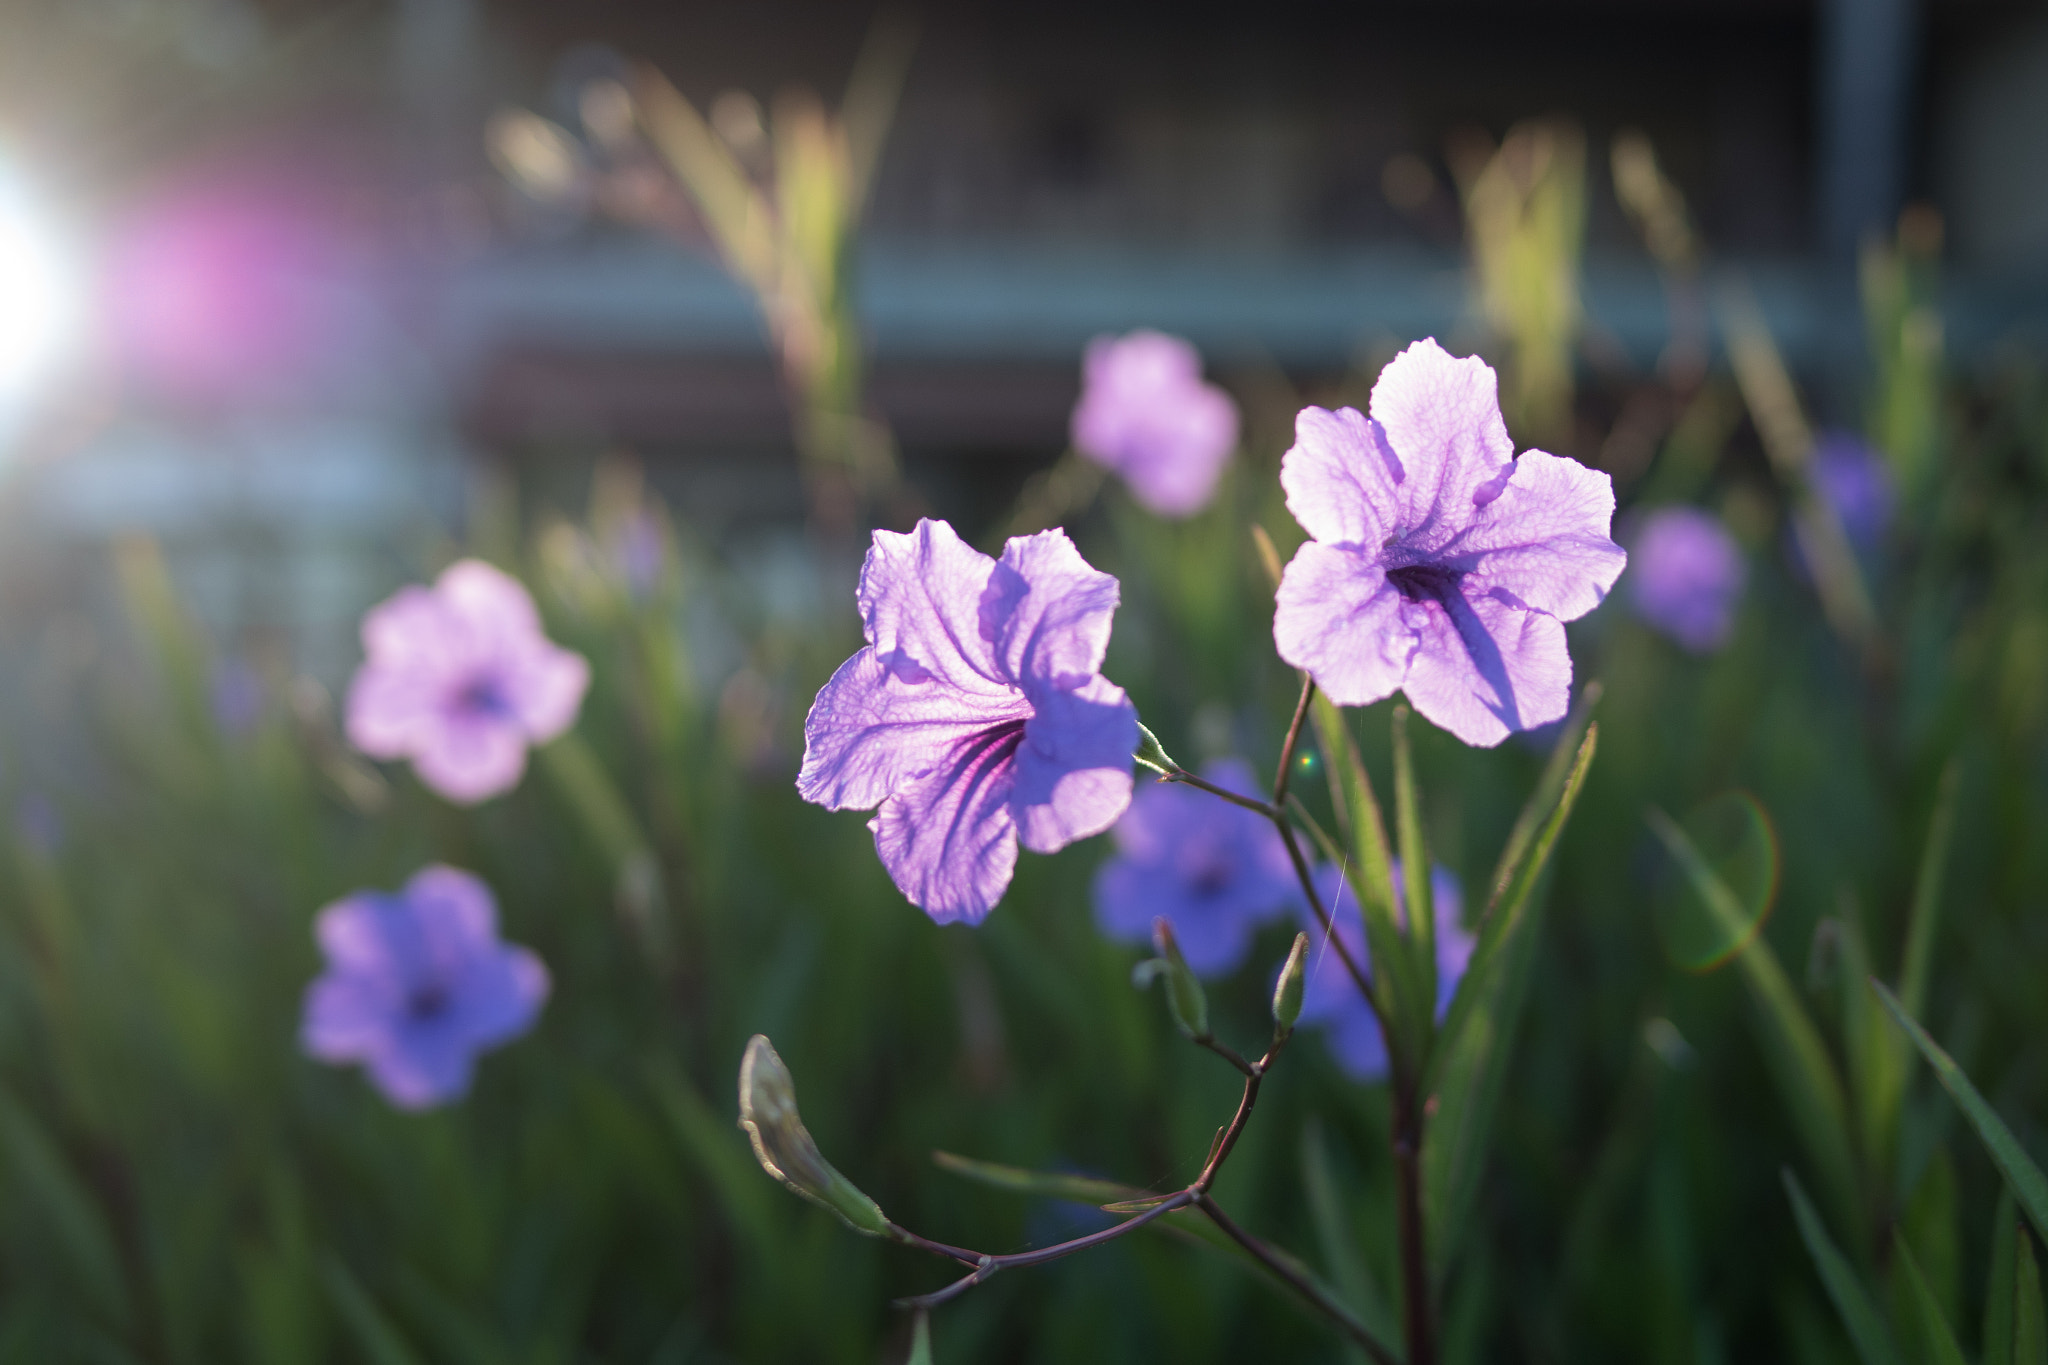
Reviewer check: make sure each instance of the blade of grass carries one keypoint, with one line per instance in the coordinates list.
(1874, 1345)
(2029, 1317)
(2000, 1283)
(1339, 1245)
(1079, 1189)
(1937, 1339)
(1369, 868)
(1414, 846)
(375, 1335)
(1807, 1078)
(2022, 1176)
(1543, 799)
(1926, 913)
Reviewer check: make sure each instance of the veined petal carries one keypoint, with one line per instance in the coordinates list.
(1340, 480)
(1074, 766)
(1546, 537)
(876, 725)
(1338, 617)
(1487, 665)
(1441, 417)
(1048, 611)
(920, 600)
(948, 837)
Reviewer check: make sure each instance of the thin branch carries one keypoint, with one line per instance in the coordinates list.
(1299, 1283)
(1286, 773)
(989, 1265)
(1250, 803)
(1228, 1054)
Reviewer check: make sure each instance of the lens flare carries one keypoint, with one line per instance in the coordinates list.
(39, 306)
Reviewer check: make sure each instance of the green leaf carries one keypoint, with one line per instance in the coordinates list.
(1079, 1189)
(1926, 913)
(1876, 1057)
(1368, 867)
(1421, 926)
(1874, 1345)
(1936, 1340)
(1334, 1234)
(375, 1335)
(2029, 1319)
(1543, 798)
(2022, 1176)
(1733, 837)
(1468, 1064)
(1807, 1079)
(2002, 1281)
(44, 1182)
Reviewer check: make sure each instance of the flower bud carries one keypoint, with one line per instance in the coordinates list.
(1287, 993)
(1183, 993)
(1152, 754)
(785, 1147)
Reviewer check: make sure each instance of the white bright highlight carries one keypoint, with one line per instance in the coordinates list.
(39, 293)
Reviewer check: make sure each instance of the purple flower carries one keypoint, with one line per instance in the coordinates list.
(459, 679)
(1440, 565)
(976, 716)
(1215, 871)
(237, 697)
(1146, 414)
(1330, 998)
(1688, 577)
(417, 984)
(1853, 479)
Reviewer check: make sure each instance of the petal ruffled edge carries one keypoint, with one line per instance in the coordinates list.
(1337, 617)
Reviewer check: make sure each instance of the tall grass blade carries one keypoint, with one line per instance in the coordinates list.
(1874, 1344)
(1936, 1339)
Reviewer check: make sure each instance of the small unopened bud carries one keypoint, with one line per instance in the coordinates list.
(1287, 994)
(1152, 754)
(1184, 994)
(785, 1147)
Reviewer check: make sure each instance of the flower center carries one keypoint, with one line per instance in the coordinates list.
(1425, 582)
(481, 697)
(426, 1002)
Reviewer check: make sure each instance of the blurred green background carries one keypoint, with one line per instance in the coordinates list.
(539, 310)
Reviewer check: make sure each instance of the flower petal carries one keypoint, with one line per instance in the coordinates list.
(948, 838)
(543, 687)
(347, 1016)
(498, 995)
(1441, 419)
(470, 759)
(1048, 611)
(419, 1068)
(877, 725)
(1546, 537)
(455, 910)
(920, 601)
(1073, 770)
(495, 605)
(1487, 665)
(1338, 617)
(1341, 480)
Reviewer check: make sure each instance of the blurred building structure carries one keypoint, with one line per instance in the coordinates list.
(1273, 181)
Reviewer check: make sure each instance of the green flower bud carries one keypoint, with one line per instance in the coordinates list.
(785, 1147)
(1152, 754)
(1293, 978)
(1183, 992)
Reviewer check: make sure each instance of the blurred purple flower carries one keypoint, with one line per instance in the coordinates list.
(638, 548)
(1330, 998)
(1688, 577)
(1855, 482)
(976, 716)
(459, 679)
(1146, 414)
(417, 984)
(37, 824)
(1440, 565)
(1215, 871)
(237, 697)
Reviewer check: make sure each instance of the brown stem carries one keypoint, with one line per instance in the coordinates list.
(1417, 1320)
(1250, 803)
(986, 1266)
(1299, 1283)
(1286, 774)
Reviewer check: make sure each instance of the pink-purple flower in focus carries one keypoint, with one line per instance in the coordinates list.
(459, 679)
(976, 717)
(1330, 998)
(1440, 565)
(417, 984)
(1687, 577)
(1146, 415)
(1213, 870)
